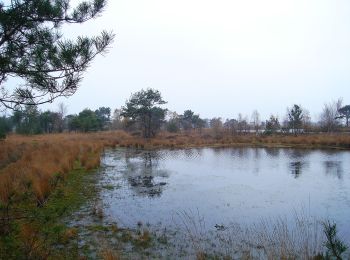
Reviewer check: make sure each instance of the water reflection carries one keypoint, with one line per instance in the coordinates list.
(192, 153)
(143, 173)
(257, 153)
(296, 168)
(273, 152)
(334, 168)
(226, 185)
(297, 153)
(238, 152)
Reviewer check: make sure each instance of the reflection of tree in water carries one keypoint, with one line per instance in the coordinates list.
(298, 160)
(297, 153)
(240, 152)
(143, 173)
(273, 152)
(257, 153)
(296, 168)
(192, 153)
(334, 168)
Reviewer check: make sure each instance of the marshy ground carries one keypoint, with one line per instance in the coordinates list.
(51, 207)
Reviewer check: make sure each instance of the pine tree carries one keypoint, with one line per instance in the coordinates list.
(32, 49)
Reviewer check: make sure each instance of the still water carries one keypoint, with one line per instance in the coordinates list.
(226, 185)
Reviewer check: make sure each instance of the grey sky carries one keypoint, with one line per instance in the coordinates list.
(220, 57)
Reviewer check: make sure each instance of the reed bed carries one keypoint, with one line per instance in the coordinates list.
(33, 164)
(32, 167)
(207, 138)
(298, 237)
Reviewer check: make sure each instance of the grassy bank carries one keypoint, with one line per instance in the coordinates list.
(42, 180)
(207, 138)
(34, 232)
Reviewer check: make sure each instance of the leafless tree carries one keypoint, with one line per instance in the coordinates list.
(216, 126)
(329, 115)
(306, 121)
(256, 121)
(231, 126)
(61, 112)
(117, 119)
(243, 125)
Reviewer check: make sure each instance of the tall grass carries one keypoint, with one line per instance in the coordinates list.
(298, 237)
(30, 166)
(207, 138)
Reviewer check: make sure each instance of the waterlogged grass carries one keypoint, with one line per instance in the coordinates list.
(40, 232)
(102, 239)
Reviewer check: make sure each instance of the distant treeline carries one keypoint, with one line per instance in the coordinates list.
(144, 113)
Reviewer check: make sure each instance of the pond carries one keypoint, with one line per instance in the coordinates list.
(225, 185)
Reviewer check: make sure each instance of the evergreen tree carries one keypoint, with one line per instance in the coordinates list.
(32, 49)
(344, 112)
(142, 109)
(295, 116)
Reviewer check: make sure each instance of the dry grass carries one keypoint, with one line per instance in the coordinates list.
(300, 237)
(207, 138)
(33, 164)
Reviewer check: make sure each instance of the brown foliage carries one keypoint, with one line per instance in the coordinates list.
(31, 166)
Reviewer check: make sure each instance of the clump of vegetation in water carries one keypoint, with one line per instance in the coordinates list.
(335, 247)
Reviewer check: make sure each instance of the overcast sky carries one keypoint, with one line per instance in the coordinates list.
(220, 57)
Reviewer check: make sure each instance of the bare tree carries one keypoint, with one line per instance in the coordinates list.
(174, 122)
(231, 126)
(256, 121)
(216, 126)
(61, 112)
(117, 119)
(306, 121)
(329, 116)
(243, 125)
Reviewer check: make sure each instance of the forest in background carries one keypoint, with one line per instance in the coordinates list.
(144, 114)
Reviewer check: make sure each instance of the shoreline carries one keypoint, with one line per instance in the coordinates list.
(58, 165)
